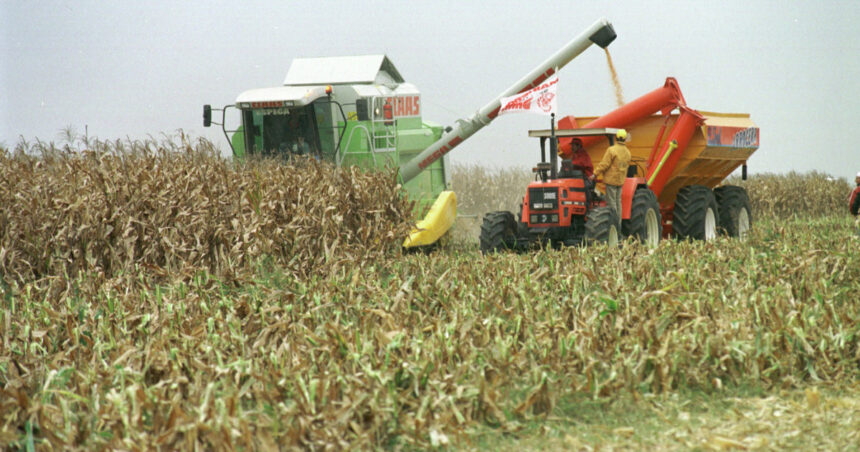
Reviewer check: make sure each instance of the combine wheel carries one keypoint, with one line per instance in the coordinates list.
(601, 226)
(499, 232)
(696, 213)
(735, 211)
(644, 223)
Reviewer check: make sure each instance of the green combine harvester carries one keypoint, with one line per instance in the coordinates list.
(358, 110)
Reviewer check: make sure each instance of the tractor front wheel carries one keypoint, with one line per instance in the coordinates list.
(601, 227)
(735, 210)
(499, 232)
(695, 213)
(644, 224)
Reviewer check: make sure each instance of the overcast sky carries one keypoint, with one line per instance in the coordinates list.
(136, 68)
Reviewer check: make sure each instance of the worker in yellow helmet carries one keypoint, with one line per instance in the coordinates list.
(613, 168)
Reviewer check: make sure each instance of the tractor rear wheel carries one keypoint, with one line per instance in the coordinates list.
(735, 210)
(644, 224)
(695, 213)
(601, 226)
(499, 232)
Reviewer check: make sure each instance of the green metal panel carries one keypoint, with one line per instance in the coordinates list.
(424, 188)
(238, 141)
(327, 136)
(414, 139)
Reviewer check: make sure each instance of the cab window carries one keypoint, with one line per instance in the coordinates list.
(282, 132)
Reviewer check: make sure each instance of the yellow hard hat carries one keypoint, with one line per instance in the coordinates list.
(621, 135)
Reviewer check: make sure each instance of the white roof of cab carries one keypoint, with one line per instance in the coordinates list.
(300, 95)
(340, 70)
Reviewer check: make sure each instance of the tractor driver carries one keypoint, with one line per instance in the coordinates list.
(613, 168)
(579, 165)
(574, 157)
(580, 159)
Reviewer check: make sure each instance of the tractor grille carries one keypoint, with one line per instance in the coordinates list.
(543, 198)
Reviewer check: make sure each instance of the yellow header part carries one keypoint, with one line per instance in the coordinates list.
(436, 223)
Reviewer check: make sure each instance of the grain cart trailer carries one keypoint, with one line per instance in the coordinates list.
(359, 110)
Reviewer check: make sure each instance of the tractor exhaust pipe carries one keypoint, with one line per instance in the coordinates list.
(600, 33)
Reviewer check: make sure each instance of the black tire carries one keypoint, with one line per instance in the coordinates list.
(644, 224)
(695, 214)
(601, 227)
(499, 232)
(522, 228)
(735, 210)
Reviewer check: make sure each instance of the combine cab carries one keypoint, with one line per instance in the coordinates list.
(680, 158)
(354, 110)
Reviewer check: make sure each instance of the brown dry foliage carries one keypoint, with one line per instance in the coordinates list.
(812, 194)
(162, 210)
(280, 339)
(481, 190)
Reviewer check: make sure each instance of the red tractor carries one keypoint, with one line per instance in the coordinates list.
(563, 207)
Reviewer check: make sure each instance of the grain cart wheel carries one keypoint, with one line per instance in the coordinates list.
(696, 213)
(601, 226)
(499, 232)
(644, 224)
(735, 210)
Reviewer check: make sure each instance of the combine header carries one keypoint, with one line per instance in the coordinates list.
(680, 157)
(359, 110)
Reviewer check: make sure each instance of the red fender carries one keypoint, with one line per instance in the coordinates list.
(627, 192)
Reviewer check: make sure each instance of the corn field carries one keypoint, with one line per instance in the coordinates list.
(156, 296)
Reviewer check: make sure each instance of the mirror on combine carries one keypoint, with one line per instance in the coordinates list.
(207, 115)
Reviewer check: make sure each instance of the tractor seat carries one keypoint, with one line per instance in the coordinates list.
(572, 174)
(542, 166)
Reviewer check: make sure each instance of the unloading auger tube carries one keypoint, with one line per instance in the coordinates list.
(600, 33)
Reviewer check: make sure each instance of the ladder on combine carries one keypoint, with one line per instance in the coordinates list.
(383, 130)
(381, 136)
